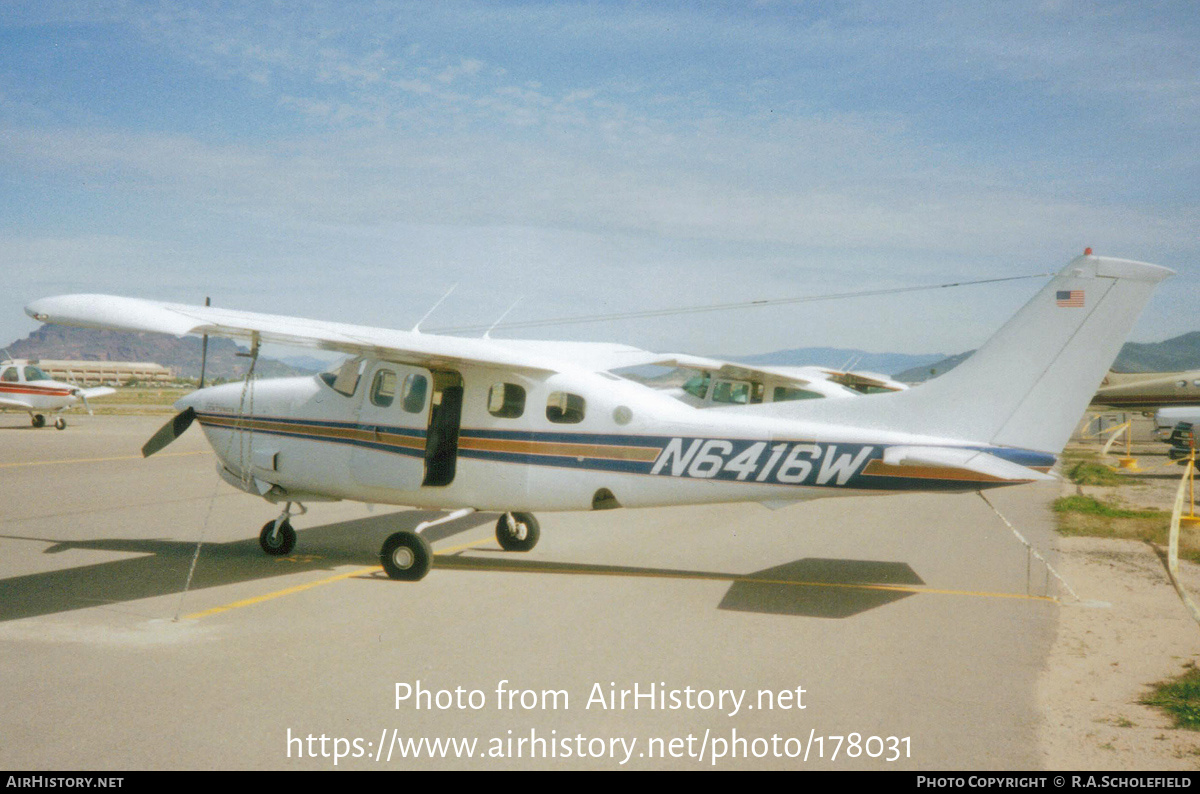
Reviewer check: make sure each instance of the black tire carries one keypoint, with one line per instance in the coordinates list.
(39, 420)
(524, 538)
(406, 556)
(60, 423)
(282, 543)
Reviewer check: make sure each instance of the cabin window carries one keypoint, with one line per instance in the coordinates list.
(10, 375)
(33, 373)
(415, 388)
(785, 393)
(736, 392)
(697, 385)
(383, 388)
(565, 409)
(506, 400)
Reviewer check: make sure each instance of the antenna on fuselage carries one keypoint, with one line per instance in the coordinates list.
(417, 328)
(488, 333)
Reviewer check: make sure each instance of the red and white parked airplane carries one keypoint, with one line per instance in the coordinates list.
(26, 388)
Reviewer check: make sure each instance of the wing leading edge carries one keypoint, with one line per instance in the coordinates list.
(134, 314)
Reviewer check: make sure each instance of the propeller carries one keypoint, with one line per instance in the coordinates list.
(169, 432)
(82, 395)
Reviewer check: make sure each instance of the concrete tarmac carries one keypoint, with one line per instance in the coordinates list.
(914, 625)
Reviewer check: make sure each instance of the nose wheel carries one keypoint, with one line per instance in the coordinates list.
(517, 531)
(60, 423)
(277, 541)
(277, 537)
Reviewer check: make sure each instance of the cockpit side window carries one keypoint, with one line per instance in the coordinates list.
(565, 409)
(383, 388)
(736, 392)
(10, 375)
(33, 373)
(697, 385)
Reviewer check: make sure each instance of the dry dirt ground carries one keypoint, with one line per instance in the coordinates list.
(1106, 658)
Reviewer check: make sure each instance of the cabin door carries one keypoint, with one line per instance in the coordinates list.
(389, 444)
(445, 419)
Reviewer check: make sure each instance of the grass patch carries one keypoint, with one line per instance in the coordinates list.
(137, 395)
(1086, 516)
(138, 400)
(1091, 506)
(1087, 472)
(1180, 698)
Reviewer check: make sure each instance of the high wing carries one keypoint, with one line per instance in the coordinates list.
(411, 347)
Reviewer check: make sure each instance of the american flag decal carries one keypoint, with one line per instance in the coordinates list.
(1069, 298)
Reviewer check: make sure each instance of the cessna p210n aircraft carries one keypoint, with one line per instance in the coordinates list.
(468, 425)
(26, 388)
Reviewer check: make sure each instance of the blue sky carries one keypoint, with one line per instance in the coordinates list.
(352, 161)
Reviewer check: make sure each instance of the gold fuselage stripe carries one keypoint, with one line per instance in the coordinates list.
(560, 449)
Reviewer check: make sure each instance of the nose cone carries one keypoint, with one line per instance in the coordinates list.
(189, 400)
(225, 398)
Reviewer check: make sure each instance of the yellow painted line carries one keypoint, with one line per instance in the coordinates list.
(462, 547)
(448, 564)
(245, 602)
(280, 593)
(99, 460)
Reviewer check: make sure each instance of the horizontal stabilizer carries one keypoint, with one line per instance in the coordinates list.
(980, 465)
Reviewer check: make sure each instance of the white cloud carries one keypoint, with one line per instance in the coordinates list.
(747, 150)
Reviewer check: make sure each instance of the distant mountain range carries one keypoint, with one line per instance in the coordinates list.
(181, 356)
(1172, 355)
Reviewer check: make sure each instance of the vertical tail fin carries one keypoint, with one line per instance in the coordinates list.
(1029, 384)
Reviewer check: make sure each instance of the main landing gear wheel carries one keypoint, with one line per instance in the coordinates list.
(277, 544)
(517, 531)
(60, 423)
(406, 556)
(39, 420)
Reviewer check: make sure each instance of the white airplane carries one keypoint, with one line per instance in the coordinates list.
(1146, 391)
(510, 426)
(1166, 419)
(26, 388)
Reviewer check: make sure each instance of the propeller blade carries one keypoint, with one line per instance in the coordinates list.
(86, 407)
(169, 432)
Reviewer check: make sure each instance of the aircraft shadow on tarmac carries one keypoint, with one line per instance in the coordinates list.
(813, 587)
(164, 567)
